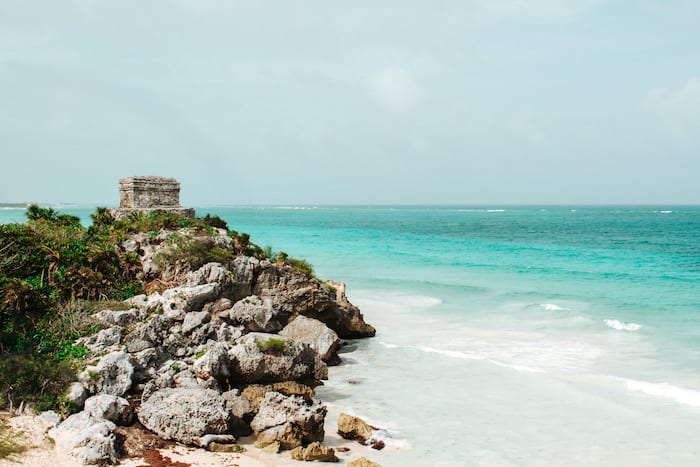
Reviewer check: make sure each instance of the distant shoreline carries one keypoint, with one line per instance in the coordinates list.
(13, 205)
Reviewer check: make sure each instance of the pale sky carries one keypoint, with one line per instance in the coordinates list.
(352, 102)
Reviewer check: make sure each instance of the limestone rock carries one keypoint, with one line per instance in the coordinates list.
(108, 407)
(363, 462)
(185, 414)
(289, 420)
(190, 298)
(121, 318)
(112, 375)
(90, 440)
(50, 418)
(314, 452)
(103, 340)
(215, 363)
(354, 428)
(256, 392)
(244, 270)
(256, 315)
(76, 396)
(293, 292)
(195, 319)
(259, 357)
(313, 332)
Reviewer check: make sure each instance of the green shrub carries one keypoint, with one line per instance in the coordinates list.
(302, 265)
(215, 221)
(35, 378)
(191, 253)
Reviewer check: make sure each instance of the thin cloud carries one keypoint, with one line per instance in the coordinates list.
(395, 88)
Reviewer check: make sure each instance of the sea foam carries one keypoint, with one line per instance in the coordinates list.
(552, 307)
(683, 396)
(620, 326)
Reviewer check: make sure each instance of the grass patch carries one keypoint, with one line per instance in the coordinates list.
(10, 444)
(272, 345)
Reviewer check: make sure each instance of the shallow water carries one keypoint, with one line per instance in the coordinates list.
(511, 335)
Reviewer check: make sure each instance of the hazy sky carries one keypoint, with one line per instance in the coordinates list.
(355, 102)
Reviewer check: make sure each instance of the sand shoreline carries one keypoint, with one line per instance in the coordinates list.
(43, 453)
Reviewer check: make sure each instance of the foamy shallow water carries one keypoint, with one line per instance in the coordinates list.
(547, 396)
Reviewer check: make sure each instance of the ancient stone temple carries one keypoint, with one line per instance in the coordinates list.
(145, 194)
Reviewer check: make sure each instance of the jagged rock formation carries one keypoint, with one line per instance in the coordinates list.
(215, 352)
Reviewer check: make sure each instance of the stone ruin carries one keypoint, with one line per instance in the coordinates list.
(146, 193)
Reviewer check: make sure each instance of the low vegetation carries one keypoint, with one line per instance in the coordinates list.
(10, 442)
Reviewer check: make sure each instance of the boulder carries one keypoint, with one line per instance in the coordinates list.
(354, 428)
(314, 452)
(194, 320)
(89, 439)
(103, 340)
(215, 363)
(190, 298)
(121, 318)
(108, 407)
(268, 358)
(314, 333)
(288, 420)
(244, 270)
(185, 414)
(256, 392)
(210, 273)
(363, 462)
(152, 333)
(112, 375)
(49, 418)
(256, 315)
(146, 364)
(76, 396)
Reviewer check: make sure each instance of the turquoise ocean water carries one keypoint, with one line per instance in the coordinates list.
(509, 336)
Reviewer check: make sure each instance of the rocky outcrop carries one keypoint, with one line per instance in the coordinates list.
(294, 293)
(288, 420)
(185, 414)
(314, 452)
(217, 352)
(314, 333)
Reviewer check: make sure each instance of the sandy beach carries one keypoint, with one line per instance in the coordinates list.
(43, 453)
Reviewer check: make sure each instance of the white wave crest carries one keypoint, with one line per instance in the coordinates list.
(683, 396)
(552, 307)
(620, 326)
(469, 356)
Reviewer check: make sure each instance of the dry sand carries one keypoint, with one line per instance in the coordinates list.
(42, 452)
